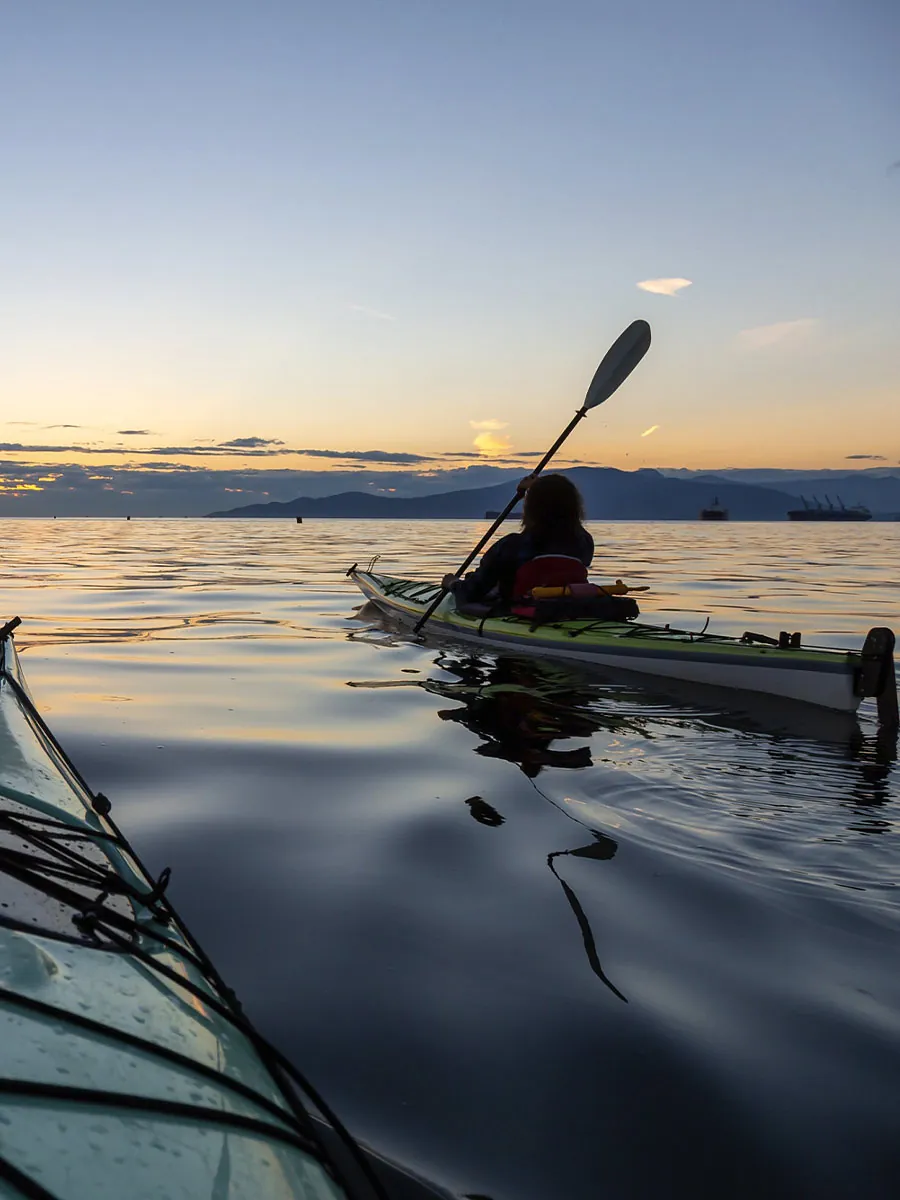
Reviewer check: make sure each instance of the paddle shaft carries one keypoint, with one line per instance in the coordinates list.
(582, 412)
(617, 364)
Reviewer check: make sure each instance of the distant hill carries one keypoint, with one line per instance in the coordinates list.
(881, 495)
(879, 489)
(609, 494)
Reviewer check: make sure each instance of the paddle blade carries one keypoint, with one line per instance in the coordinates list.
(619, 361)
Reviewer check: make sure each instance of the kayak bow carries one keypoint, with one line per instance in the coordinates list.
(835, 679)
(127, 1067)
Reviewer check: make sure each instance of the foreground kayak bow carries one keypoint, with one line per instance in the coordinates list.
(127, 1068)
(835, 679)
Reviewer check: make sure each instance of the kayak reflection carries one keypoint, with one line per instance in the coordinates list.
(519, 707)
(532, 712)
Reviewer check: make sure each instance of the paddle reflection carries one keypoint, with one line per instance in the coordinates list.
(602, 848)
(518, 707)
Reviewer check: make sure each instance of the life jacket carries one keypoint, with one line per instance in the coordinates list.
(547, 570)
(554, 587)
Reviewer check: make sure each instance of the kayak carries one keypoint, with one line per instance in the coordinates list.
(127, 1068)
(830, 678)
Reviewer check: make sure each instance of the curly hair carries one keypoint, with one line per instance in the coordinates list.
(552, 510)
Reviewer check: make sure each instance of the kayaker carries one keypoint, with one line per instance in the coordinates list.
(552, 549)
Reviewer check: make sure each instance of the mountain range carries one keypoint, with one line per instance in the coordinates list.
(878, 488)
(609, 494)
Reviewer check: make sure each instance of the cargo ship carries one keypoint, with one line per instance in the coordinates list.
(819, 512)
(715, 512)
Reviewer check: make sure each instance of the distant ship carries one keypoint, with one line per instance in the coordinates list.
(816, 512)
(715, 512)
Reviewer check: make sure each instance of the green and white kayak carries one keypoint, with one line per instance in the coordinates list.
(127, 1068)
(835, 679)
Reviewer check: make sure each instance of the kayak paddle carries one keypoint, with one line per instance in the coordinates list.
(619, 361)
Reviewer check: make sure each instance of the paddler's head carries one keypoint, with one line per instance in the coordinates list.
(552, 504)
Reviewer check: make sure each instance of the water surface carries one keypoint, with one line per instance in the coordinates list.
(541, 931)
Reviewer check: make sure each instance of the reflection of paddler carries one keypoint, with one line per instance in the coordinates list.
(504, 705)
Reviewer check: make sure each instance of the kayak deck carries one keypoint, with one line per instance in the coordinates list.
(127, 1067)
(817, 675)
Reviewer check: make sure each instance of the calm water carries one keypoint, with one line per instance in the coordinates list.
(542, 933)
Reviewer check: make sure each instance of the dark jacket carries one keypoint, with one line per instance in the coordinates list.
(499, 565)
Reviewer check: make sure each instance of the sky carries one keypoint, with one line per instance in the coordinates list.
(402, 235)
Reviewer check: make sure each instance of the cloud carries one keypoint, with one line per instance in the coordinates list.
(238, 448)
(870, 457)
(251, 443)
(781, 331)
(201, 451)
(489, 440)
(371, 312)
(160, 488)
(66, 427)
(134, 432)
(210, 460)
(652, 429)
(664, 287)
(385, 456)
(492, 443)
(20, 448)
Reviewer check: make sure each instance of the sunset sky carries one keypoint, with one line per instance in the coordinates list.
(415, 227)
